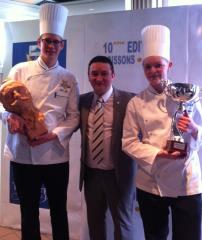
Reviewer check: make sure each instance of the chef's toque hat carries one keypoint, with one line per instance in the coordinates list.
(53, 19)
(156, 41)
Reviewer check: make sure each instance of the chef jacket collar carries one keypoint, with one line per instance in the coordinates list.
(152, 90)
(44, 66)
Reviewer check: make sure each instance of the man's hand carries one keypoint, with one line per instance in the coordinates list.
(16, 124)
(42, 139)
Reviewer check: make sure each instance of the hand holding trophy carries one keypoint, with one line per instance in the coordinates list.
(16, 99)
(182, 93)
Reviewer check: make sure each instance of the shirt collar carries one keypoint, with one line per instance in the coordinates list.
(44, 66)
(105, 96)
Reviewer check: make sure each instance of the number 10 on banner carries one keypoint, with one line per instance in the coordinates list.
(108, 47)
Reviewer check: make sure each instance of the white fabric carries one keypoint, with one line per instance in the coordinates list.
(53, 19)
(151, 114)
(156, 41)
(55, 93)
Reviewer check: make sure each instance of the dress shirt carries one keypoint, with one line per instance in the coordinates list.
(107, 163)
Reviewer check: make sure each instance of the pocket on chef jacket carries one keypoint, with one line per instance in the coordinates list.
(60, 97)
(62, 93)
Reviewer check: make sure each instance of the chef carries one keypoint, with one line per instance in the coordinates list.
(44, 160)
(166, 181)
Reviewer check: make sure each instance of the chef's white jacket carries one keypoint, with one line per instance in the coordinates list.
(55, 93)
(149, 117)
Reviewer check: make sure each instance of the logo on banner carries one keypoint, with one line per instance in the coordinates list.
(34, 52)
(26, 51)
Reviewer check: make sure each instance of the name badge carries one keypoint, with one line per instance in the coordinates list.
(63, 90)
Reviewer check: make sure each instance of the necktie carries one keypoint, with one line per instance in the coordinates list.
(97, 142)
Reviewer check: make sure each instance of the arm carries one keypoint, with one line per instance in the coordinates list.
(15, 124)
(143, 153)
(191, 123)
(43, 138)
(3, 114)
(68, 125)
(187, 124)
(66, 128)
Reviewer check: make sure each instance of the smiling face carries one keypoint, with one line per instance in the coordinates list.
(51, 46)
(156, 69)
(100, 77)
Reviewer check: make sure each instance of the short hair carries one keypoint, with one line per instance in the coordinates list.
(101, 59)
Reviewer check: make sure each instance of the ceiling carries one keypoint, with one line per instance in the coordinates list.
(21, 10)
(39, 2)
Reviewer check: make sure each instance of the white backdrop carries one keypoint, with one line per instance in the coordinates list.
(116, 35)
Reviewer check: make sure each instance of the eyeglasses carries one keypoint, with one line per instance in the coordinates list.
(49, 41)
(148, 67)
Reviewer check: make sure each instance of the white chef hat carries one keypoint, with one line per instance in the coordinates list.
(53, 19)
(156, 41)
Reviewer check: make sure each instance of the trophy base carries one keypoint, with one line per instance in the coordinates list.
(173, 146)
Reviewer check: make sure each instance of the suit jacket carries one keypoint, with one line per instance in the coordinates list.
(123, 163)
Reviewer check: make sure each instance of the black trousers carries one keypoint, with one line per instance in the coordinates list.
(28, 180)
(101, 191)
(185, 212)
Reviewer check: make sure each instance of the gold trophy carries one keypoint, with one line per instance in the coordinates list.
(182, 93)
(16, 99)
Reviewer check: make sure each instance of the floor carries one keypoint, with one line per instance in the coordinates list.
(13, 234)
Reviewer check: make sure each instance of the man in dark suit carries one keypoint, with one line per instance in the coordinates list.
(107, 173)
